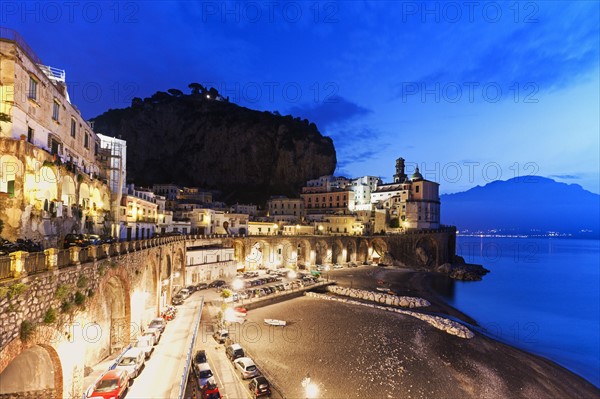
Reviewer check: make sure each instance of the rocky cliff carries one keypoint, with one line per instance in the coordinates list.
(193, 140)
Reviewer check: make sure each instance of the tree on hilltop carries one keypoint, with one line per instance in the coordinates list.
(175, 92)
(197, 88)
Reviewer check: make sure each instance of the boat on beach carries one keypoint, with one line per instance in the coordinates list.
(275, 322)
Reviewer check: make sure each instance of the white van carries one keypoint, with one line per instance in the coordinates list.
(132, 361)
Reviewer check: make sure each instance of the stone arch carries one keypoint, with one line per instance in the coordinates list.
(105, 201)
(239, 251)
(11, 170)
(33, 366)
(337, 252)
(259, 256)
(322, 253)
(303, 251)
(285, 254)
(96, 199)
(150, 293)
(68, 192)
(362, 255)
(350, 251)
(84, 195)
(46, 185)
(110, 310)
(426, 254)
(179, 268)
(379, 249)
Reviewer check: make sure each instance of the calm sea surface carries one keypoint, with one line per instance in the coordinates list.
(542, 295)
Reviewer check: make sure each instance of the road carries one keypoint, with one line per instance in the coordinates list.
(162, 372)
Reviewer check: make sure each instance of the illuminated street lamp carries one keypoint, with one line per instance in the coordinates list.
(237, 284)
(311, 390)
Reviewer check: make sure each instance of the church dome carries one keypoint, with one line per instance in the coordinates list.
(416, 175)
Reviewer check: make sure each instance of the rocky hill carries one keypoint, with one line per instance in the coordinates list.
(203, 140)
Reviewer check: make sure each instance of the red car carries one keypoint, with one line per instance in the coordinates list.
(113, 384)
(210, 390)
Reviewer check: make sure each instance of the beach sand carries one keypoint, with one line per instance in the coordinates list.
(352, 351)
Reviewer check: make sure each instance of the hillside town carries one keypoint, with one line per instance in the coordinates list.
(60, 177)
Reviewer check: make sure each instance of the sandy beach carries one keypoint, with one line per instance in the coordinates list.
(352, 351)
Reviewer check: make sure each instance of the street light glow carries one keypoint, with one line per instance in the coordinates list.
(237, 284)
(312, 390)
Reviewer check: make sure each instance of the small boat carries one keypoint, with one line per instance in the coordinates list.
(275, 322)
(383, 289)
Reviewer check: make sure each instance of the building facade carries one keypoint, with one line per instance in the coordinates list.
(51, 182)
(292, 208)
(204, 264)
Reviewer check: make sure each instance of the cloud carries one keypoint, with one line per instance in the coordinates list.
(335, 111)
(560, 49)
(565, 177)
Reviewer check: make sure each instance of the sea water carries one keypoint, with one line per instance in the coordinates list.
(541, 295)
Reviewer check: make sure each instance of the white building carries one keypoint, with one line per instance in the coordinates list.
(209, 263)
(250, 209)
(138, 215)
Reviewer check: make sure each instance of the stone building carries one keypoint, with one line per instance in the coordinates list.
(414, 203)
(51, 182)
(37, 108)
(139, 214)
(282, 208)
(207, 263)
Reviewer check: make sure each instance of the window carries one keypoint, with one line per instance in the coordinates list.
(32, 88)
(86, 140)
(55, 109)
(417, 189)
(73, 127)
(29, 134)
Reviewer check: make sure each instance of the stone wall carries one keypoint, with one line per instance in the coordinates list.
(40, 182)
(449, 326)
(378, 297)
(39, 394)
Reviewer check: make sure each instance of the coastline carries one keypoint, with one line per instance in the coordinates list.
(405, 355)
(427, 285)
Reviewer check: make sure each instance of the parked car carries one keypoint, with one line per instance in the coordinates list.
(159, 323)
(92, 239)
(191, 288)
(234, 297)
(73, 240)
(177, 299)
(203, 374)
(112, 384)
(221, 335)
(199, 357)
(246, 367)
(185, 293)
(108, 239)
(145, 343)
(217, 284)
(201, 286)
(210, 390)
(132, 361)
(234, 351)
(154, 333)
(259, 386)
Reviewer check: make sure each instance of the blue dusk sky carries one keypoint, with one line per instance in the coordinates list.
(468, 91)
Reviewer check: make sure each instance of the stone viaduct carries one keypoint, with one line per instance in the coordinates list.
(62, 311)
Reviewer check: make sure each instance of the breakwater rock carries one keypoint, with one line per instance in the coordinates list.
(449, 326)
(394, 300)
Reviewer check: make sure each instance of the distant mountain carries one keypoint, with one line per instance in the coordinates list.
(523, 204)
(201, 139)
